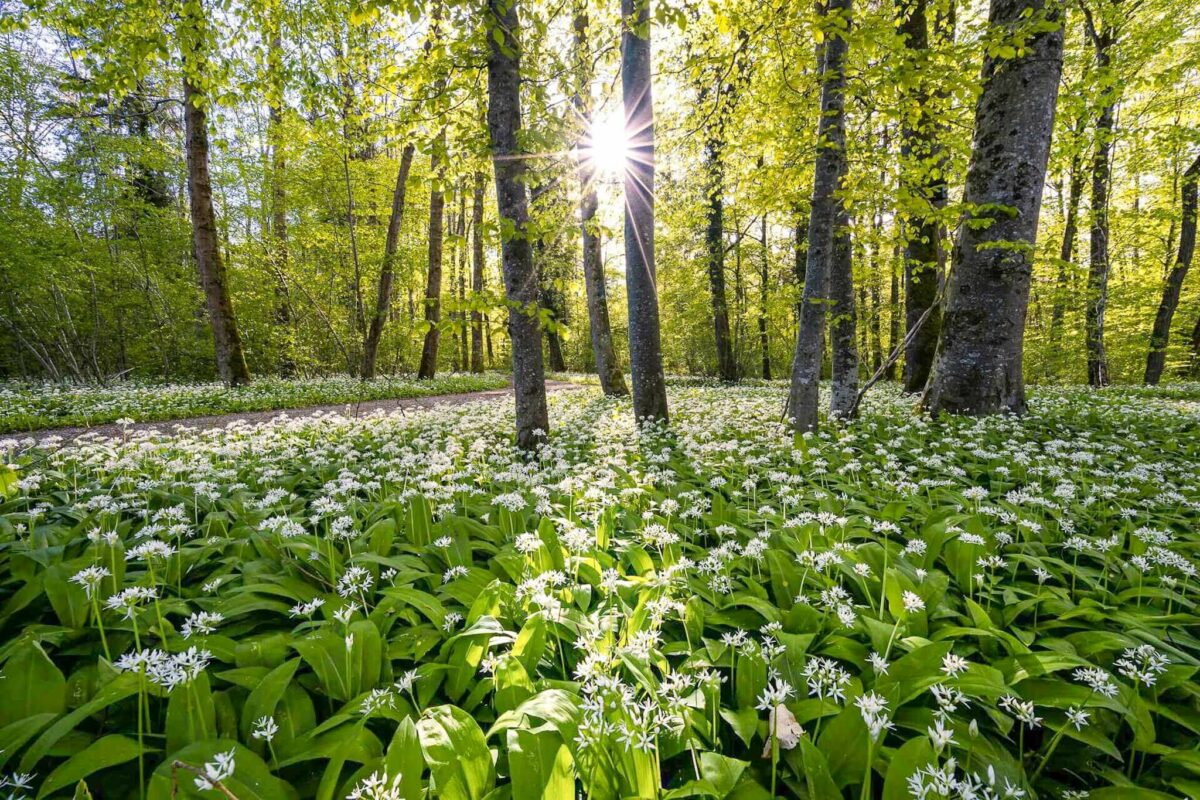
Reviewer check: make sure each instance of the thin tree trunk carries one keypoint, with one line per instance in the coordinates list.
(894, 312)
(714, 245)
(1161, 335)
(282, 315)
(978, 368)
(433, 278)
(843, 316)
(477, 273)
(608, 368)
(922, 156)
(1067, 251)
(231, 361)
(461, 250)
(876, 327)
(645, 346)
(764, 286)
(552, 299)
(1098, 261)
(512, 201)
(383, 297)
(800, 251)
(828, 172)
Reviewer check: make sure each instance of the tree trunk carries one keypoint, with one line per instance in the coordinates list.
(1160, 337)
(828, 171)
(278, 253)
(894, 313)
(433, 279)
(477, 273)
(1067, 251)
(520, 277)
(608, 368)
(714, 245)
(843, 317)
(553, 301)
(800, 251)
(645, 346)
(978, 368)
(461, 256)
(922, 155)
(383, 297)
(231, 361)
(1098, 261)
(764, 286)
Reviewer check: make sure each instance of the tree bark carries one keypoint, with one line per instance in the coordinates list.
(714, 246)
(645, 346)
(231, 361)
(828, 172)
(282, 315)
(922, 154)
(1160, 337)
(978, 368)
(433, 278)
(512, 201)
(894, 315)
(800, 253)
(608, 368)
(1098, 261)
(477, 272)
(764, 286)
(843, 315)
(1066, 252)
(383, 297)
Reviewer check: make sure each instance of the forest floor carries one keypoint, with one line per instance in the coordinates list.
(353, 410)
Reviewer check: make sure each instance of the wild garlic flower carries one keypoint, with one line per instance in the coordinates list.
(219, 769)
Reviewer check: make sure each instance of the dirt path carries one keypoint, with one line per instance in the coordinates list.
(109, 430)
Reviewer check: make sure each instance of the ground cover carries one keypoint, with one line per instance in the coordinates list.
(29, 406)
(392, 606)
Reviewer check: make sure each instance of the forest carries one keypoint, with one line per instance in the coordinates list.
(657, 399)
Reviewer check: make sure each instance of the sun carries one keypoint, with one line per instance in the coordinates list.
(607, 145)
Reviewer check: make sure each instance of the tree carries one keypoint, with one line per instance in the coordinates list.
(512, 201)
(925, 190)
(433, 275)
(477, 264)
(608, 368)
(275, 87)
(1104, 38)
(978, 367)
(645, 346)
(383, 297)
(824, 218)
(1161, 335)
(231, 361)
(764, 278)
(843, 316)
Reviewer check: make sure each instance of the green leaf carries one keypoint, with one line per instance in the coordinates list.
(913, 755)
(457, 754)
(266, 696)
(30, 684)
(404, 758)
(540, 765)
(101, 754)
(721, 771)
(251, 779)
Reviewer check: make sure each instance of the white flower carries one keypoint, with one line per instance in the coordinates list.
(952, 664)
(1078, 717)
(217, 770)
(265, 728)
(912, 602)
